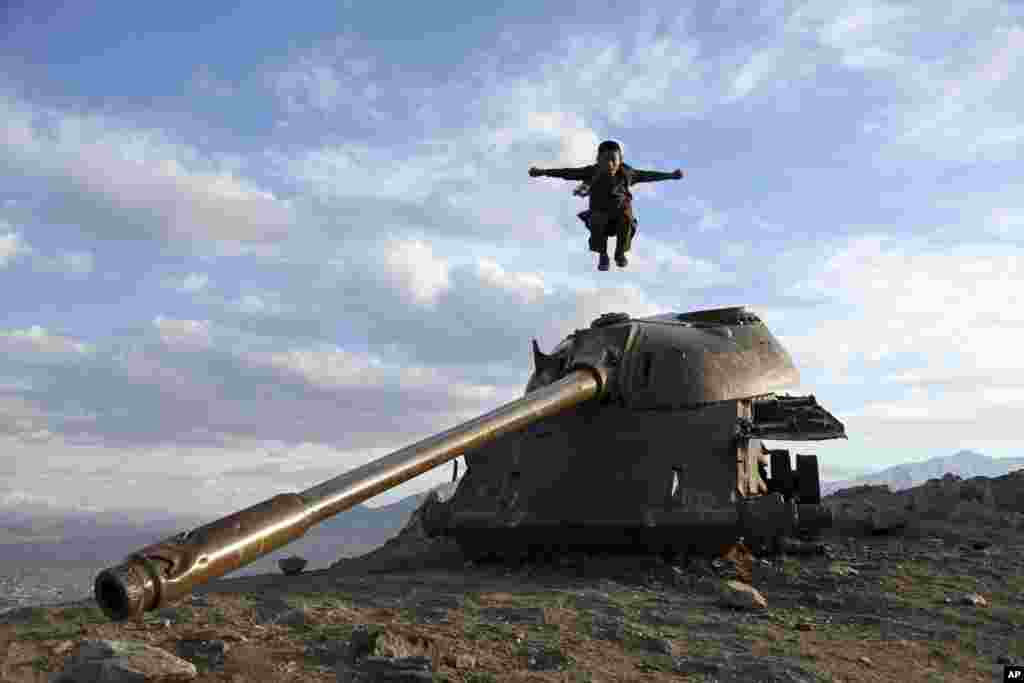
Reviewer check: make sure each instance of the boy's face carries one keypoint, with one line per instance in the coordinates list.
(609, 161)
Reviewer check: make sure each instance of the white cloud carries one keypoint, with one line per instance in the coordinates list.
(20, 498)
(194, 282)
(262, 303)
(862, 33)
(188, 335)
(11, 246)
(412, 266)
(77, 262)
(336, 369)
(660, 261)
(529, 287)
(949, 318)
(139, 178)
(73, 263)
(38, 340)
(331, 76)
(953, 66)
(588, 303)
(761, 65)
(968, 109)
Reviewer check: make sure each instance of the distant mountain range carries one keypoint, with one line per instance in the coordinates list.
(34, 537)
(965, 464)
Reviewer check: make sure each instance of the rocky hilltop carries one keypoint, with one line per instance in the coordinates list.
(922, 584)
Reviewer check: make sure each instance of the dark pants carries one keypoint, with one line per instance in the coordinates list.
(602, 226)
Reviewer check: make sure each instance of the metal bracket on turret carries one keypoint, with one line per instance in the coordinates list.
(790, 418)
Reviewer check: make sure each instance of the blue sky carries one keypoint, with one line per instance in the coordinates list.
(246, 248)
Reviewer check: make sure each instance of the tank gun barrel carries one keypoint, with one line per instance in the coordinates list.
(168, 570)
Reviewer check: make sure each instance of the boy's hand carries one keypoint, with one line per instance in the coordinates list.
(534, 171)
(677, 174)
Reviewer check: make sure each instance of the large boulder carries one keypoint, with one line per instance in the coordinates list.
(292, 565)
(1008, 492)
(123, 661)
(868, 509)
(939, 498)
(741, 595)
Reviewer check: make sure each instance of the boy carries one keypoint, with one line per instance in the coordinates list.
(611, 203)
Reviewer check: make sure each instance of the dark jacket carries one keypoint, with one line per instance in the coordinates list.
(609, 194)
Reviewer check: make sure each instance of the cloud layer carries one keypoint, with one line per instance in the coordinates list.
(300, 261)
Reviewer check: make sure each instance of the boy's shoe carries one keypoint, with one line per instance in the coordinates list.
(602, 262)
(621, 261)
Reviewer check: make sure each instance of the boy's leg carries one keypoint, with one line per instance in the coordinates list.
(599, 243)
(597, 224)
(623, 235)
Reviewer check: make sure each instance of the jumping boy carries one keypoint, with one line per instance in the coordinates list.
(611, 203)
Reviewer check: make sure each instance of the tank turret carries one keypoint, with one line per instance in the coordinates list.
(670, 460)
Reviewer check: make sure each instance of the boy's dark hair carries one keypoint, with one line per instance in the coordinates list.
(609, 146)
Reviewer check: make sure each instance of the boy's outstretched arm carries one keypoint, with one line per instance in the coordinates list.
(582, 173)
(652, 176)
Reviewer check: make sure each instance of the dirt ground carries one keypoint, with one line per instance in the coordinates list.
(885, 608)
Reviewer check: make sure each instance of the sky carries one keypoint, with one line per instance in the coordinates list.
(247, 247)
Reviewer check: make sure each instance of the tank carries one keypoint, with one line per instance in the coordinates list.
(671, 459)
(635, 434)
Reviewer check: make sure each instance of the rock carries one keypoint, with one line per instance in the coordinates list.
(169, 614)
(123, 661)
(864, 660)
(794, 546)
(887, 520)
(656, 645)
(736, 564)
(292, 565)
(742, 595)
(744, 667)
(533, 616)
(388, 670)
(696, 665)
(973, 600)
(872, 509)
(24, 615)
(21, 661)
(608, 628)
(207, 654)
(198, 601)
(443, 601)
(662, 617)
(326, 654)
(825, 601)
(277, 611)
(361, 643)
(700, 567)
(542, 657)
(598, 603)
(430, 616)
